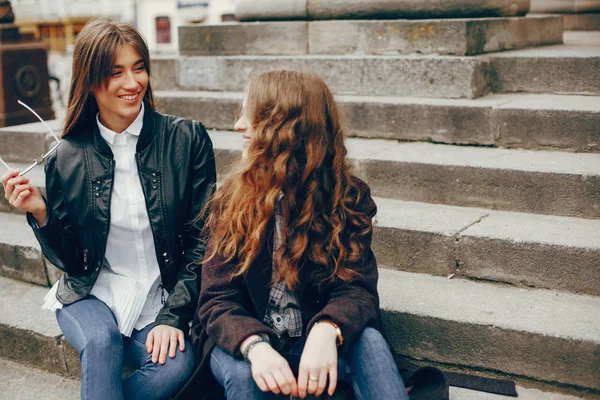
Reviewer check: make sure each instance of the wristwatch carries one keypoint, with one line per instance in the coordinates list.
(338, 331)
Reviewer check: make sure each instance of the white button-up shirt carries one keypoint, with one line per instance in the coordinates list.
(129, 281)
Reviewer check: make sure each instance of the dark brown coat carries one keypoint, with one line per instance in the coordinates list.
(231, 310)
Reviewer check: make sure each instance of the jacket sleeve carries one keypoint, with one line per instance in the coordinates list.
(354, 305)
(181, 304)
(222, 311)
(56, 237)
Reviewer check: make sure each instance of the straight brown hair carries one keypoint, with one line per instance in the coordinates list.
(96, 49)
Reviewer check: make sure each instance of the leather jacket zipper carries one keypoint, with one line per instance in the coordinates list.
(85, 259)
(162, 293)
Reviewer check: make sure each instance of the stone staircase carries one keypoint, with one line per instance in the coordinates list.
(485, 166)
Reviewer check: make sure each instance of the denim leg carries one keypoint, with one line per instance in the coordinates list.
(91, 328)
(374, 372)
(154, 380)
(236, 377)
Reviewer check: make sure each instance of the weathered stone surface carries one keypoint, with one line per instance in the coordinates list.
(581, 22)
(216, 110)
(21, 382)
(453, 37)
(542, 182)
(514, 33)
(419, 237)
(254, 10)
(432, 76)
(546, 335)
(538, 182)
(564, 6)
(164, 73)
(556, 122)
(266, 38)
(523, 121)
(541, 74)
(571, 68)
(539, 251)
(439, 120)
(558, 253)
(13, 148)
(353, 9)
(376, 37)
(56, 387)
(263, 10)
(20, 254)
(29, 334)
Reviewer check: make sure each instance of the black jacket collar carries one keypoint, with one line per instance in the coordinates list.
(146, 135)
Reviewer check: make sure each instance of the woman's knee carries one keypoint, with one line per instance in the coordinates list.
(181, 367)
(103, 339)
(93, 335)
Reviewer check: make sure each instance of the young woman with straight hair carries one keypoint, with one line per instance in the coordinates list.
(123, 191)
(289, 302)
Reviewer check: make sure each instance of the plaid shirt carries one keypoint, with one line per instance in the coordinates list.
(283, 310)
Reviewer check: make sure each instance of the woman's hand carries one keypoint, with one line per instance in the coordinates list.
(24, 196)
(163, 339)
(270, 370)
(319, 360)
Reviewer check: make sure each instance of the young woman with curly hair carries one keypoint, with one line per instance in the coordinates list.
(290, 281)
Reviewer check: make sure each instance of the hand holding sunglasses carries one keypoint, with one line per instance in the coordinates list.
(21, 194)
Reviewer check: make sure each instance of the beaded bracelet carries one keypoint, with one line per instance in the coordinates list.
(254, 342)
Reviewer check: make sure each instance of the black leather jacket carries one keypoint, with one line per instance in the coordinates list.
(177, 170)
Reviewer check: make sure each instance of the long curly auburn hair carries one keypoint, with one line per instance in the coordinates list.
(297, 150)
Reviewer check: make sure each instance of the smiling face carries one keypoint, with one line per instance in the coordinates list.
(119, 100)
(243, 126)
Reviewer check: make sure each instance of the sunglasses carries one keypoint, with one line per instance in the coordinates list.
(47, 154)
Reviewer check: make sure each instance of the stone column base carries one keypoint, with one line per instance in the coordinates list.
(565, 6)
(263, 10)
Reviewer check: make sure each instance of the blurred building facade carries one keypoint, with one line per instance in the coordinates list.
(159, 19)
(57, 22)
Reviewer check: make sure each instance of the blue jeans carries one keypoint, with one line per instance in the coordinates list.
(91, 328)
(368, 366)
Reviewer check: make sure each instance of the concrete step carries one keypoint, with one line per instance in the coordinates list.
(21, 382)
(525, 121)
(20, 255)
(31, 336)
(540, 182)
(581, 22)
(543, 335)
(546, 336)
(372, 37)
(570, 68)
(559, 253)
(540, 251)
(25, 143)
(416, 76)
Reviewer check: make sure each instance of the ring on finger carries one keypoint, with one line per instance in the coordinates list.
(312, 378)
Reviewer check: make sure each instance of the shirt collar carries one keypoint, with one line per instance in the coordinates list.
(134, 129)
